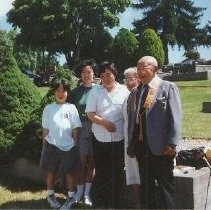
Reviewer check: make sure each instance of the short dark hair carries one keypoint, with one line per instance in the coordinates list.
(107, 65)
(83, 64)
(56, 83)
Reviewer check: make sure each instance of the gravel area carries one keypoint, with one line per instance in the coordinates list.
(193, 143)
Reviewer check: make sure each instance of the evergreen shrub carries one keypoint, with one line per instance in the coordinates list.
(18, 99)
(151, 44)
(21, 107)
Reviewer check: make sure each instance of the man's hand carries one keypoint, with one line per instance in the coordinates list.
(170, 150)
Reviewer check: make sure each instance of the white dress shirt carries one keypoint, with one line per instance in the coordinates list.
(109, 107)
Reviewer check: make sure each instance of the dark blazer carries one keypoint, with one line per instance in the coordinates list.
(163, 118)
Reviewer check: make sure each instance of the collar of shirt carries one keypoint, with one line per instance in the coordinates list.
(154, 83)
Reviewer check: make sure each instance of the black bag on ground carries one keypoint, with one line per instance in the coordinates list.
(192, 157)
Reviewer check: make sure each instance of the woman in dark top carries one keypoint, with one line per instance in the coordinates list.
(79, 97)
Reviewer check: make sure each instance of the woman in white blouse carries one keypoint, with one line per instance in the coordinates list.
(104, 109)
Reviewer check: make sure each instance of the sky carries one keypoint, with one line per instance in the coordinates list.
(126, 19)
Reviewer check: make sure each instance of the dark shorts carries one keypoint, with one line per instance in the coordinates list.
(52, 158)
(85, 139)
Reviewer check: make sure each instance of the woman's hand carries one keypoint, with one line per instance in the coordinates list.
(109, 126)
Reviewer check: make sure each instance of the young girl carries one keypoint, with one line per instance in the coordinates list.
(60, 124)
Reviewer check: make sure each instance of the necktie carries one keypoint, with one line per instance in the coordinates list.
(142, 117)
(144, 96)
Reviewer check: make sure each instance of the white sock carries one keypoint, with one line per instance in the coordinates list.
(71, 194)
(79, 193)
(50, 192)
(87, 188)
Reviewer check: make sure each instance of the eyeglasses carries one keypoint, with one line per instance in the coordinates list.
(145, 65)
(129, 79)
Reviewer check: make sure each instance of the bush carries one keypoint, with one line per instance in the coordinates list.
(21, 108)
(18, 98)
(67, 74)
(151, 44)
(125, 49)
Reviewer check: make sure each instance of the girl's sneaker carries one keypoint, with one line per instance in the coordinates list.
(68, 203)
(87, 200)
(53, 202)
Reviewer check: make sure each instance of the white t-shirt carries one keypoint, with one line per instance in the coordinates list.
(110, 108)
(60, 119)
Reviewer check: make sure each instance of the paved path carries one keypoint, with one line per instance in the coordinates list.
(193, 143)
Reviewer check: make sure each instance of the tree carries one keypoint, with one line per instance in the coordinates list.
(207, 40)
(28, 58)
(64, 25)
(193, 55)
(176, 21)
(125, 49)
(99, 48)
(151, 44)
(18, 98)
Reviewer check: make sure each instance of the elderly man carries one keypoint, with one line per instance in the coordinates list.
(154, 125)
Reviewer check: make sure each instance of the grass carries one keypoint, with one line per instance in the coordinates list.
(16, 193)
(43, 90)
(199, 83)
(196, 124)
(19, 193)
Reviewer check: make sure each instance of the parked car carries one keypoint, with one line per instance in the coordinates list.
(35, 78)
(51, 78)
(96, 80)
(187, 62)
(168, 67)
(31, 75)
(38, 81)
(200, 61)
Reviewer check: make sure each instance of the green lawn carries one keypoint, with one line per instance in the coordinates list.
(201, 83)
(20, 193)
(43, 90)
(196, 124)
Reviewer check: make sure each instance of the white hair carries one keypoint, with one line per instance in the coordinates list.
(149, 59)
(131, 70)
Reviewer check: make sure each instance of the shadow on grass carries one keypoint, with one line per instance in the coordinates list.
(16, 184)
(19, 185)
(36, 204)
(30, 204)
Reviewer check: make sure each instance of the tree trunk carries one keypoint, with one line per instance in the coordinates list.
(165, 48)
(69, 59)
